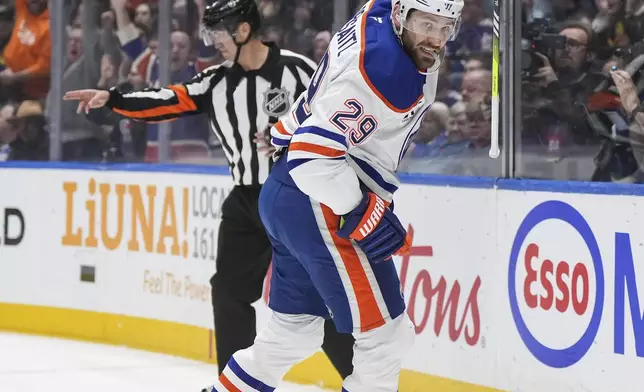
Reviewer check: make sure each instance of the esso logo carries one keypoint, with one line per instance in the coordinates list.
(556, 284)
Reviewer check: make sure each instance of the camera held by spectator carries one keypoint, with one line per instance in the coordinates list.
(557, 55)
(613, 113)
(539, 40)
(554, 97)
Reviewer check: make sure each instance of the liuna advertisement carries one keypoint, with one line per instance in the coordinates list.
(138, 244)
(507, 290)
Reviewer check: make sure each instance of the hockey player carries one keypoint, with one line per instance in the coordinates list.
(327, 203)
(242, 97)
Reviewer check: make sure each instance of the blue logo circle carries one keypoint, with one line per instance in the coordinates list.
(557, 358)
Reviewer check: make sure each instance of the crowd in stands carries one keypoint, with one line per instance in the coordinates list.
(580, 73)
(576, 114)
(114, 43)
(581, 84)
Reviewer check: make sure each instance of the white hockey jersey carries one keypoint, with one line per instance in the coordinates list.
(356, 120)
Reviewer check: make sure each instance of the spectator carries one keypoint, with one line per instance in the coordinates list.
(321, 15)
(109, 77)
(190, 135)
(608, 24)
(136, 3)
(274, 34)
(433, 125)
(24, 131)
(320, 45)
(466, 152)
(127, 140)
(6, 131)
(143, 18)
(554, 98)
(626, 163)
(477, 85)
(300, 35)
(27, 56)
(479, 127)
(475, 35)
(457, 123)
(82, 139)
(618, 24)
(446, 92)
(270, 11)
(74, 44)
(573, 10)
(108, 21)
(431, 135)
(536, 9)
(475, 62)
(615, 113)
(6, 25)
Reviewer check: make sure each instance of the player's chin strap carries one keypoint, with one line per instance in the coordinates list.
(240, 45)
(438, 61)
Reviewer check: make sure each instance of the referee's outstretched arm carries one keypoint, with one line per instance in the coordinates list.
(152, 104)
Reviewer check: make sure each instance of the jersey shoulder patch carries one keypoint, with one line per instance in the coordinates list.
(386, 68)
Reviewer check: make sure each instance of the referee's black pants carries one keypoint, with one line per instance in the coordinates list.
(243, 257)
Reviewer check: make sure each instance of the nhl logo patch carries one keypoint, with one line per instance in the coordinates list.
(276, 102)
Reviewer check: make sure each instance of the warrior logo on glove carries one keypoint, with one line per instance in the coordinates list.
(369, 223)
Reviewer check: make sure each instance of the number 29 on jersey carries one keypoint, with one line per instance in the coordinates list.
(352, 120)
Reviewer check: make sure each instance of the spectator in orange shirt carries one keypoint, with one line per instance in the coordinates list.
(28, 53)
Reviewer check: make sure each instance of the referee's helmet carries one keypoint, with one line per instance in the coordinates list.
(225, 16)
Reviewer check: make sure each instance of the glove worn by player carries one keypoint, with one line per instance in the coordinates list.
(375, 228)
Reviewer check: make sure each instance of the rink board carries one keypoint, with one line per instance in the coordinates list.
(512, 285)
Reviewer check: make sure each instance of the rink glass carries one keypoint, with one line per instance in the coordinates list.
(574, 123)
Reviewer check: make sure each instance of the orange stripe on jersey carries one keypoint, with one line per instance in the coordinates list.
(370, 316)
(227, 384)
(316, 149)
(280, 128)
(186, 104)
(364, 72)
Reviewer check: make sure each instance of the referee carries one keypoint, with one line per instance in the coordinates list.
(243, 97)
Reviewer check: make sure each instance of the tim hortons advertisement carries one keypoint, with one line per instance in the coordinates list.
(575, 278)
(444, 280)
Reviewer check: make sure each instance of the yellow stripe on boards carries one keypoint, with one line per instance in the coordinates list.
(183, 341)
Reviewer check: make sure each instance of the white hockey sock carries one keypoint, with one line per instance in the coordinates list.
(284, 341)
(378, 356)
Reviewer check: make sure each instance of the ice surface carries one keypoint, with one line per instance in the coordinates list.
(31, 363)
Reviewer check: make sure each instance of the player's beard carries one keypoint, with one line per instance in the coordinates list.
(425, 60)
(421, 58)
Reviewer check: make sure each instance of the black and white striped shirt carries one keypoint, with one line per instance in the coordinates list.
(238, 103)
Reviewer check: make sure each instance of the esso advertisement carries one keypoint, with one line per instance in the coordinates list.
(561, 289)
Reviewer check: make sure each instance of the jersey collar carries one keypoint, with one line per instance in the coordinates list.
(267, 70)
